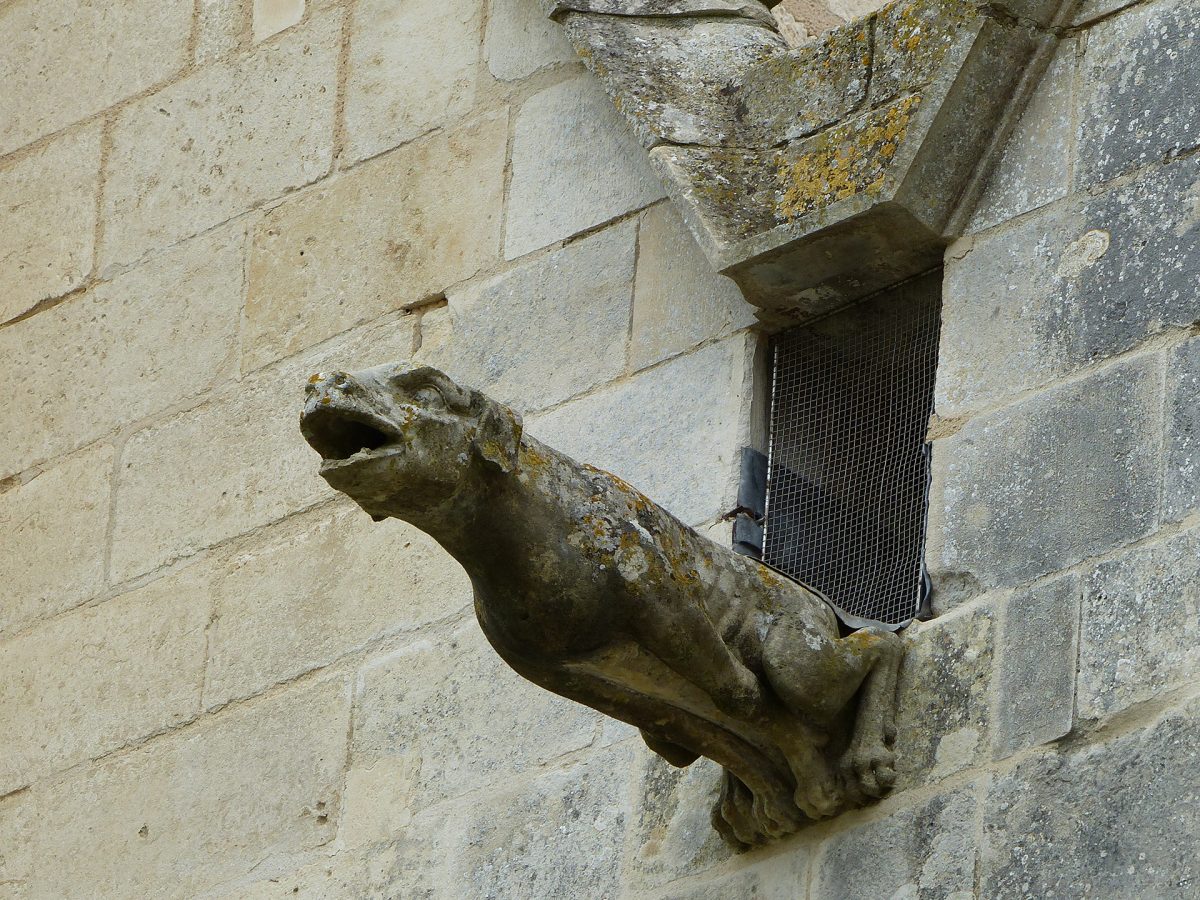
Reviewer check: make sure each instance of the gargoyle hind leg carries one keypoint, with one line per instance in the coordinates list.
(817, 675)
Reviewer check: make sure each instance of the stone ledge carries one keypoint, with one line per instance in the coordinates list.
(814, 176)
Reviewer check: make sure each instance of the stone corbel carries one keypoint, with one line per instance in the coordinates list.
(815, 176)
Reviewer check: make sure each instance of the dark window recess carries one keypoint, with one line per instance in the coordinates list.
(848, 469)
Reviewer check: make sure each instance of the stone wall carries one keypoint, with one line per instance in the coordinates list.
(217, 678)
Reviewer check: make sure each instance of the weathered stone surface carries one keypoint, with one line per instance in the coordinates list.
(98, 678)
(123, 48)
(187, 810)
(678, 299)
(390, 232)
(748, 9)
(1041, 485)
(678, 79)
(574, 165)
(1181, 462)
(151, 337)
(413, 66)
(445, 716)
(550, 838)
(219, 28)
(48, 220)
(683, 453)
(922, 851)
(54, 527)
(1140, 626)
(273, 16)
(592, 591)
(1091, 10)
(672, 835)
(1138, 100)
(1075, 283)
(1038, 642)
(779, 877)
(315, 588)
(231, 464)
(914, 39)
(1115, 820)
(521, 40)
(1035, 167)
(944, 715)
(229, 137)
(545, 331)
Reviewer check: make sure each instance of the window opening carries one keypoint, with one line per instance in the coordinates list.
(848, 464)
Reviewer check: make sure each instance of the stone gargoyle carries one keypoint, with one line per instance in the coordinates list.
(591, 590)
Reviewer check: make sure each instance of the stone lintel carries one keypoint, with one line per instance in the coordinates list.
(813, 176)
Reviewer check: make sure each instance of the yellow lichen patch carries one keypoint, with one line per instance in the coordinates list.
(845, 161)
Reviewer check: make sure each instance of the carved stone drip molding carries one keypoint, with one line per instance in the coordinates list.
(817, 175)
(591, 590)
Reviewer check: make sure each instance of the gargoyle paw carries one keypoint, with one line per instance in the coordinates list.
(873, 768)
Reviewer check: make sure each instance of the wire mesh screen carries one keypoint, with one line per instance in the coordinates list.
(848, 473)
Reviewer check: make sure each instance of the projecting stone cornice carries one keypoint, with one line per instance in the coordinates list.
(813, 176)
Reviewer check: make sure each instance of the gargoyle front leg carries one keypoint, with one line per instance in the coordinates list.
(870, 759)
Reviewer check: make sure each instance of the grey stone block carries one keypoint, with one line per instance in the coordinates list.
(1117, 820)
(561, 836)
(1038, 644)
(1140, 626)
(943, 714)
(1076, 283)
(1035, 165)
(926, 851)
(1181, 466)
(672, 836)
(778, 877)
(1041, 485)
(1140, 100)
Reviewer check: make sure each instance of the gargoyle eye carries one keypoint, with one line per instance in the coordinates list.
(429, 397)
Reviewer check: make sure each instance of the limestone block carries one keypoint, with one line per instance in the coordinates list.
(189, 809)
(1038, 642)
(1035, 166)
(913, 40)
(550, 838)
(673, 432)
(663, 73)
(222, 141)
(943, 713)
(1140, 633)
(574, 165)
(1113, 820)
(273, 16)
(1138, 101)
(413, 66)
(48, 220)
(390, 232)
(127, 348)
(1090, 10)
(54, 527)
(678, 300)
(315, 587)
(123, 48)
(672, 832)
(1043, 484)
(521, 40)
(445, 716)
(776, 877)
(921, 851)
(1069, 285)
(545, 331)
(233, 463)
(1181, 466)
(219, 27)
(98, 678)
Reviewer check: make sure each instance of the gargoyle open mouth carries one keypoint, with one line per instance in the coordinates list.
(340, 435)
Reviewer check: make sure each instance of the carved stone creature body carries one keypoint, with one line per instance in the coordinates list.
(589, 589)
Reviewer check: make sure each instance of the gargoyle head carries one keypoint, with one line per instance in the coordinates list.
(401, 440)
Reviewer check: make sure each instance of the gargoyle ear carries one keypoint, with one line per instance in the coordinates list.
(499, 436)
